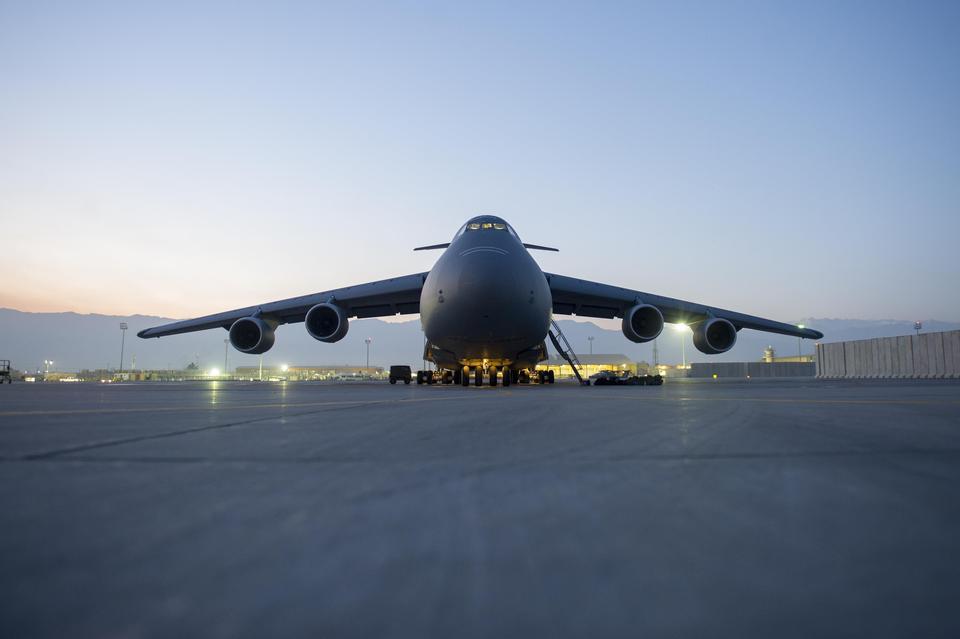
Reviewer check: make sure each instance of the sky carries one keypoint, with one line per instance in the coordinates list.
(790, 160)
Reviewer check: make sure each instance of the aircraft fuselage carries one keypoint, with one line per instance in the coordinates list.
(486, 302)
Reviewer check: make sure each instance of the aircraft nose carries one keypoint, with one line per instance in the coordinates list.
(488, 279)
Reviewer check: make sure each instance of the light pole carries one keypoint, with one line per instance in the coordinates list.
(226, 343)
(917, 326)
(590, 339)
(123, 335)
(367, 341)
(799, 356)
(682, 329)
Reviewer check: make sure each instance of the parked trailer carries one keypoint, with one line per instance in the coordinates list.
(5, 371)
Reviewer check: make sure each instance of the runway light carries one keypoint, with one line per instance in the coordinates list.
(214, 372)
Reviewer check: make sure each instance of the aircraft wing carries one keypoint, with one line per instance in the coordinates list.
(397, 295)
(572, 296)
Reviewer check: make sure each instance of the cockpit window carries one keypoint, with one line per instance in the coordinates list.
(486, 226)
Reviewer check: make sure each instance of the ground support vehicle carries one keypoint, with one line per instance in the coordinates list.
(5, 375)
(400, 374)
(616, 378)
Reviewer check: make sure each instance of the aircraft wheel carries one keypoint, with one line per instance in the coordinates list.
(465, 377)
(478, 376)
(493, 376)
(457, 375)
(549, 377)
(407, 382)
(419, 377)
(507, 376)
(393, 381)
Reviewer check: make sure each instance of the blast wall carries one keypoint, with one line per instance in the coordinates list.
(925, 356)
(751, 369)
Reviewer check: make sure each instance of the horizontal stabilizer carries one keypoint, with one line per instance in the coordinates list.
(432, 247)
(540, 248)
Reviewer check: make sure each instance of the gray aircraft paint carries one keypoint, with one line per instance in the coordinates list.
(485, 300)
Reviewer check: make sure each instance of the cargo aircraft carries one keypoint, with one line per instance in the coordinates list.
(485, 307)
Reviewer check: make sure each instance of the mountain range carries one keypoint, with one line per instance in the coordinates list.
(76, 341)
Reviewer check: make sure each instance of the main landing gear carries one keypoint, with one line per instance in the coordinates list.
(491, 375)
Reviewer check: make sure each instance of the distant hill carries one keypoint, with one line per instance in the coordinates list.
(74, 342)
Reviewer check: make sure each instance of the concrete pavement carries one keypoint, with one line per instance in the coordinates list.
(799, 508)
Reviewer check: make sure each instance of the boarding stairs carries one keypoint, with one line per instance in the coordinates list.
(566, 351)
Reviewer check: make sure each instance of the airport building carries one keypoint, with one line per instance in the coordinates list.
(242, 373)
(310, 373)
(594, 364)
(770, 356)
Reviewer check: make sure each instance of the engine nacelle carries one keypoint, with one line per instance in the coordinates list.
(714, 336)
(327, 322)
(642, 323)
(252, 335)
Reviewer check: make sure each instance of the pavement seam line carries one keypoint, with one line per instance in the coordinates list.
(178, 409)
(784, 400)
(200, 429)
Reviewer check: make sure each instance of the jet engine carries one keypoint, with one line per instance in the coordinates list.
(252, 335)
(714, 336)
(327, 322)
(642, 323)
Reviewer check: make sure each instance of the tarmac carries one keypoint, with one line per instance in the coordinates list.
(722, 509)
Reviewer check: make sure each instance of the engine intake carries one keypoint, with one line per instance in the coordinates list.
(714, 336)
(327, 322)
(252, 335)
(642, 323)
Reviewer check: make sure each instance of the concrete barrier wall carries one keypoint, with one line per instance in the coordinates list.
(925, 356)
(752, 369)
